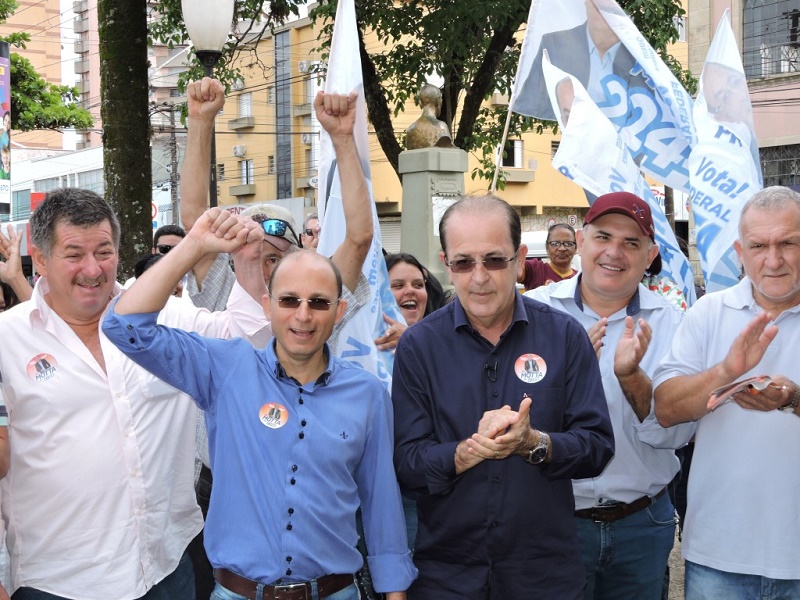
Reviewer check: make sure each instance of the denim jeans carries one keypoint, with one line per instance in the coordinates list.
(705, 583)
(178, 585)
(348, 593)
(628, 558)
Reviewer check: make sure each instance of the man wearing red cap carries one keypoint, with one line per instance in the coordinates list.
(624, 516)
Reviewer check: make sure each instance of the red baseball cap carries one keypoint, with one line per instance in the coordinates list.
(623, 203)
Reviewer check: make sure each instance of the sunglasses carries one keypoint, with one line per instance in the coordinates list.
(277, 227)
(309, 232)
(294, 302)
(164, 248)
(556, 244)
(490, 263)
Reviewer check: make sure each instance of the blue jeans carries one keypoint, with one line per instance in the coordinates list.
(705, 583)
(348, 593)
(628, 558)
(178, 585)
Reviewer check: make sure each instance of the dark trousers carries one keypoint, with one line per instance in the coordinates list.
(203, 572)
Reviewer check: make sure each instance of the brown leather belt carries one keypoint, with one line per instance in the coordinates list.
(615, 512)
(327, 585)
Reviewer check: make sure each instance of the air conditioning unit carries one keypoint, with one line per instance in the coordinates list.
(240, 151)
(307, 137)
(303, 66)
(238, 85)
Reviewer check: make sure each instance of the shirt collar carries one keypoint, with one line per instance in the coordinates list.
(461, 319)
(632, 309)
(610, 55)
(280, 372)
(740, 296)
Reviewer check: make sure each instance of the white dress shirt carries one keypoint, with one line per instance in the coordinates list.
(99, 500)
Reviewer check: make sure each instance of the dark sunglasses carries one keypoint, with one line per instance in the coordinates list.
(557, 244)
(164, 248)
(490, 263)
(309, 232)
(277, 228)
(294, 302)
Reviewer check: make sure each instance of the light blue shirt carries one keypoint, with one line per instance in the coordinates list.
(292, 462)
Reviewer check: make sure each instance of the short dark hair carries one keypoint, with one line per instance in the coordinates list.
(437, 297)
(168, 230)
(144, 263)
(482, 205)
(75, 206)
(566, 226)
(336, 273)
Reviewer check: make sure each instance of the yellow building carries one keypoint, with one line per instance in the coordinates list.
(267, 143)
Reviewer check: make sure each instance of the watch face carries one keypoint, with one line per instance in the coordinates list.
(539, 454)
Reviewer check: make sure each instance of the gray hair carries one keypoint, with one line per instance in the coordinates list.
(74, 206)
(770, 198)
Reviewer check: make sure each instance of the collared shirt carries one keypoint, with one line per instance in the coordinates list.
(743, 514)
(644, 461)
(599, 68)
(99, 497)
(538, 273)
(292, 462)
(217, 284)
(446, 377)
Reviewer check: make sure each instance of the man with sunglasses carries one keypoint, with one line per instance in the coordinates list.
(561, 248)
(498, 403)
(624, 517)
(166, 238)
(311, 229)
(299, 439)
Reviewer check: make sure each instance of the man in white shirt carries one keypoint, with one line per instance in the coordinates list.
(742, 533)
(99, 499)
(624, 516)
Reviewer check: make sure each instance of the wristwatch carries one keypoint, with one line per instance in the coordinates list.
(538, 453)
(794, 402)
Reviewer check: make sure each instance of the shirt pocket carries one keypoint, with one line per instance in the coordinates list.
(547, 408)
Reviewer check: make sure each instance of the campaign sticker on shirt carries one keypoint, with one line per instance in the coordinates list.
(530, 368)
(273, 415)
(42, 367)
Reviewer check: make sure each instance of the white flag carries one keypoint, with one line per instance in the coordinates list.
(594, 156)
(356, 338)
(724, 165)
(597, 43)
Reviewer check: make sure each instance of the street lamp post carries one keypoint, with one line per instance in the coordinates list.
(208, 23)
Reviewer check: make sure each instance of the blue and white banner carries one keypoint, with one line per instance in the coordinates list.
(593, 155)
(597, 43)
(724, 166)
(343, 76)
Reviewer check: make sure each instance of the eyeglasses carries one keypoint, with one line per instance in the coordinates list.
(490, 263)
(557, 244)
(294, 302)
(310, 232)
(164, 248)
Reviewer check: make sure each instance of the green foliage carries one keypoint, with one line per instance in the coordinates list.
(37, 104)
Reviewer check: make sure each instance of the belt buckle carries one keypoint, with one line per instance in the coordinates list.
(291, 587)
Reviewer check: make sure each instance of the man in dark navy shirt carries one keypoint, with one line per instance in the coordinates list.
(487, 443)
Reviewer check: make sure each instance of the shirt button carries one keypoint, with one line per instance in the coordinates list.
(301, 435)
(495, 479)
(292, 481)
(132, 340)
(294, 468)
(291, 511)
(130, 326)
(134, 473)
(300, 401)
(289, 527)
(495, 523)
(288, 571)
(494, 394)
(303, 422)
(288, 559)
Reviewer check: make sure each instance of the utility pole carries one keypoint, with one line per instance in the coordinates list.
(173, 171)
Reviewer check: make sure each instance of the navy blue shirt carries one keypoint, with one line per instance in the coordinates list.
(501, 516)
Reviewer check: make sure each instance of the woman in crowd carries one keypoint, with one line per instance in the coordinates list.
(417, 293)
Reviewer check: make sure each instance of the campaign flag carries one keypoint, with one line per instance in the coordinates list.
(357, 335)
(598, 44)
(593, 154)
(724, 166)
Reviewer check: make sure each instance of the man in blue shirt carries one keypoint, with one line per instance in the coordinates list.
(298, 439)
(498, 404)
